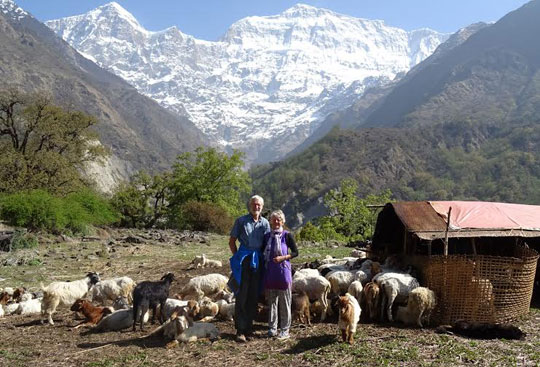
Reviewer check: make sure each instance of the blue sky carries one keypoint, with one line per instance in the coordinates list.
(209, 19)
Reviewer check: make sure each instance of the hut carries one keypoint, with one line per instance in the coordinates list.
(478, 257)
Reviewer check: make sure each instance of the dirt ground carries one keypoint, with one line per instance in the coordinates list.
(24, 341)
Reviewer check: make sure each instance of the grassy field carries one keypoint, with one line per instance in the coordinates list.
(25, 341)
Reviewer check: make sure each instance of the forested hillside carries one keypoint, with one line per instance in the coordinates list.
(451, 161)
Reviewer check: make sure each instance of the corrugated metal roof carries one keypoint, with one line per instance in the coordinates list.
(420, 218)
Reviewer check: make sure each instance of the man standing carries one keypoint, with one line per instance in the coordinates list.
(246, 265)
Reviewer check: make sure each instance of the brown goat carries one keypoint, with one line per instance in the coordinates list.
(300, 303)
(18, 293)
(4, 298)
(93, 314)
(371, 298)
(349, 315)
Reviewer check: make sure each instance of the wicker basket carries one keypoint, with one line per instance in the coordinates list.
(482, 288)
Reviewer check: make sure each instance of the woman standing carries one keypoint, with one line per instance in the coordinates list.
(279, 249)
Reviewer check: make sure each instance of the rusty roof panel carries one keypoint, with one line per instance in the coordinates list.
(419, 216)
(433, 235)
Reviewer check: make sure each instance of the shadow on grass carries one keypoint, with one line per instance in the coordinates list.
(32, 323)
(152, 342)
(311, 342)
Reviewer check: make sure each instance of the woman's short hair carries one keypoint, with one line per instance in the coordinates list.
(278, 213)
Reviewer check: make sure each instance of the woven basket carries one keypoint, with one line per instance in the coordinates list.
(482, 288)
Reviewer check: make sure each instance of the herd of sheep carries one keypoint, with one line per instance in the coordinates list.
(121, 303)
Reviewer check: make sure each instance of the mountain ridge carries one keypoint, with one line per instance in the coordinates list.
(267, 84)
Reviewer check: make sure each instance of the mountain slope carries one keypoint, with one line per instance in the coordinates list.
(267, 84)
(483, 78)
(140, 133)
(372, 98)
(463, 124)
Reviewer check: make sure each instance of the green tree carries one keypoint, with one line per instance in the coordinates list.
(141, 202)
(43, 146)
(210, 176)
(350, 217)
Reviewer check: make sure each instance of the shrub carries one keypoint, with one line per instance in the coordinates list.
(35, 209)
(206, 217)
(86, 207)
(39, 210)
(21, 240)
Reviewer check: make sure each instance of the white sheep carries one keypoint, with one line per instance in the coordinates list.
(27, 297)
(65, 293)
(306, 272)
(181, 328)
(325, 269)
(358, 253)
(118, 320)
(420, 304)
(317, 288)
(367, 271)
(331, 260)
(203, 285)
(213, 263)
(340, 281)
(111, 289)
(355, 289)
(199, 330)
(226, 310)
(201, 261)
(198, 261)
(29, 307)
(10, 308)
(394, 286)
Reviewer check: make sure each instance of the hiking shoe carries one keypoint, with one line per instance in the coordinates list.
(241, 338)
(271, 334)
(284, 335)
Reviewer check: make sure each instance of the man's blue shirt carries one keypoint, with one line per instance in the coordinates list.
(249, 233)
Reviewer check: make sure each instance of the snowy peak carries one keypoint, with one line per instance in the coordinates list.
(305, 11)
(10, 9)
(268, 77)
(109, 21)
(116, 13)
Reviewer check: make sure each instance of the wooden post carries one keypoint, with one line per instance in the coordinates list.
(473, 242)
(404, 242)
(429, 248)
(446, 233)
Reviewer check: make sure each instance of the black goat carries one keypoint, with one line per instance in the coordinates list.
(477, 330)
(150, 294)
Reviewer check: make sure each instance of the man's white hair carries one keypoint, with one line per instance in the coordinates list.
(256, 198)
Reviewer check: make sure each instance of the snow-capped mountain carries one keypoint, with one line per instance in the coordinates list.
(267, 84)
(11, 10)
